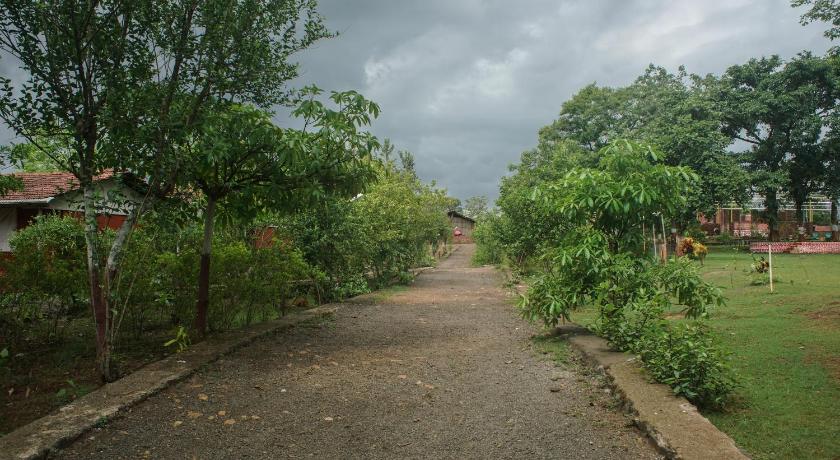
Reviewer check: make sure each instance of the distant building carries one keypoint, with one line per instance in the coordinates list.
(748, 222)
(461, 224)
(59, 193)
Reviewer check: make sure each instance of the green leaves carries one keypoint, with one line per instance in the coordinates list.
(614, 199)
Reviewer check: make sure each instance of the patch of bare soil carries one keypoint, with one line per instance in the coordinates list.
(832, 364)
(827, 317)
(443, 370)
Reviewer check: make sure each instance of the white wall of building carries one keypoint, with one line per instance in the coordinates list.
(109, 195)
(8, 224)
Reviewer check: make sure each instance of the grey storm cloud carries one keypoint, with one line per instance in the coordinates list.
(466, 84)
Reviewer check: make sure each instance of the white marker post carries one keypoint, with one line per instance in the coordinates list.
(655, 252)
(770, 264)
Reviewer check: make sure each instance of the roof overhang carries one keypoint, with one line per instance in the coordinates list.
(458, 214)
(31, 202)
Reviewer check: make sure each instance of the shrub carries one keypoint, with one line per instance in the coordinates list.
(693, 249)
(696, 233)
(250, 285)
(684, 356)
(724, 239)
(46, 281)
(489, 248)
(598, 257)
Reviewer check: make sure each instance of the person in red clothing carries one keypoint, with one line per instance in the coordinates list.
(458, 231)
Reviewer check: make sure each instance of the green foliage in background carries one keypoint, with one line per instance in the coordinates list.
(595, 253)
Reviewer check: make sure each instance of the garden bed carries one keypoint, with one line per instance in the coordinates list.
(803, 247)
(46, 375)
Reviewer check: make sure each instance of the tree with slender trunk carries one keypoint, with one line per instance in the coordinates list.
(242, 162)
(126, 82)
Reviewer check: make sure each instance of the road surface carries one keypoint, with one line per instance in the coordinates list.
(443, 369)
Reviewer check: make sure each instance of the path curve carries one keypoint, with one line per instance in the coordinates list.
(444, 369)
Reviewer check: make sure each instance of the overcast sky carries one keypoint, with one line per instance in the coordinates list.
(466, 84)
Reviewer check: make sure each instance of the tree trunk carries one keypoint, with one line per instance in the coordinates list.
(204, 270)
(835, 234)
(800, 217)
(98, 299)
(772, 214)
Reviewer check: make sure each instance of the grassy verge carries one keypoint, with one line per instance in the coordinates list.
(786, 350)
(384, 294)
(555, 347)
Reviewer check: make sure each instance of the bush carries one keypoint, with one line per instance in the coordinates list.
(693, 249)
(684, 356)
(46, 281)
(250, 285)
(247, 284)
(696, 233)
(489, 249)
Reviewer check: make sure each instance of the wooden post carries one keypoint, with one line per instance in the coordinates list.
(770, 264)
(664, 240)
(653, 231)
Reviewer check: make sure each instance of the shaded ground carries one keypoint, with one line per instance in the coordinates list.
(444, 369)
(46, 376)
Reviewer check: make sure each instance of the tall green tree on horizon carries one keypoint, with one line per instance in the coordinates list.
(672, 111)
(778, 109)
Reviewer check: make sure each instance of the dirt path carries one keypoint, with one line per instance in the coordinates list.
(444, 369)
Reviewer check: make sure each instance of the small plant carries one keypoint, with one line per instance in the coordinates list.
(71, 392)
(693, 249)
(760, 266)
(4, 357)
(181, 341)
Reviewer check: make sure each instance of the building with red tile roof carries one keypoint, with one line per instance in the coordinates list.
(59, 193)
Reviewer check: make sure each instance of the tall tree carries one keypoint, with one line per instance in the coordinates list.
(242, 161)
(407, 162)
(476, 206)
(591, 118)
(777, 109)
(672, 111)
(126, 82)
(30, 157)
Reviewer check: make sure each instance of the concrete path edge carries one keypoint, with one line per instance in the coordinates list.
(674, 425)
(41, 437)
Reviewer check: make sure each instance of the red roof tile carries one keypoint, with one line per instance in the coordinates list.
(38, 186)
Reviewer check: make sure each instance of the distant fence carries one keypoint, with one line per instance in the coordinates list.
(804, 247)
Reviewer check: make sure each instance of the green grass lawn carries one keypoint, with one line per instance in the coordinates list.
(786, 351)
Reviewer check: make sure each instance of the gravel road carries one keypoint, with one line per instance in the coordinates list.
(444, 369)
